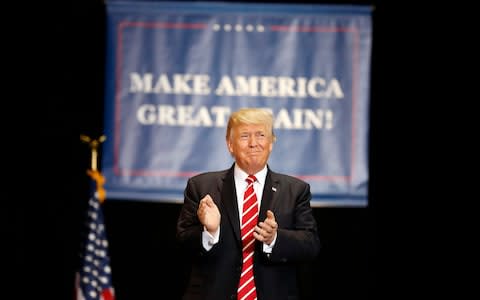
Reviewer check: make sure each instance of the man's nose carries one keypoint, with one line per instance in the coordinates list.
(252, 141)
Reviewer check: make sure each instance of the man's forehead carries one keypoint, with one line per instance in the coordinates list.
(251, 127)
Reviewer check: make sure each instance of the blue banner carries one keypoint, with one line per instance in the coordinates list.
(175, 72)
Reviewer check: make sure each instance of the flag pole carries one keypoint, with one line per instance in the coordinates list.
(93, 144)
(93, 277)
(93, 172)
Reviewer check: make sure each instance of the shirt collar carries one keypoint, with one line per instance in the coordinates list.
(261, 175)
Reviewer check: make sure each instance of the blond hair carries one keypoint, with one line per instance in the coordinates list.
(250, 116)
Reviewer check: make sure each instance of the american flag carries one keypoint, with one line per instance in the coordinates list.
(94, 278)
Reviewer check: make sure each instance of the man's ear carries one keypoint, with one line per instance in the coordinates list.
(229, 146)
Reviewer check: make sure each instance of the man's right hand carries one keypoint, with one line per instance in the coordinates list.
(208, 214)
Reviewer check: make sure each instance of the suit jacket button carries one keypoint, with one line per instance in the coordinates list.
(233, 297)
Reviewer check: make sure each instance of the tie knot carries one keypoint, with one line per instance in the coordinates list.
(251, 178)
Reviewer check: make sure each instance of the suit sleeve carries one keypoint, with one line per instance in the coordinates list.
(189, 228)
(297, 236)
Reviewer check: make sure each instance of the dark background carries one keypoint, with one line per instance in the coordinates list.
(144, 257)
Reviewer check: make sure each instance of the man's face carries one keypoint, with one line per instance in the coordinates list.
(251, 146)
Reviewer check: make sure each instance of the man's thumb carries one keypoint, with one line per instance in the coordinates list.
(270, 215)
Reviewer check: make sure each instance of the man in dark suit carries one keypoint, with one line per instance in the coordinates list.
(209, 225)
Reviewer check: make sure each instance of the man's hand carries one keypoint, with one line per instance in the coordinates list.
(266, 231)
(208, 214)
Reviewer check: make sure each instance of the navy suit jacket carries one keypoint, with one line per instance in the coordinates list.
(215, 273)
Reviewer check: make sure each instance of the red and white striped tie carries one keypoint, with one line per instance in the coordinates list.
(246, 287)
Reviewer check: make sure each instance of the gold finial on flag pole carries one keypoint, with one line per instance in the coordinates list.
(93, 172)
(93, 144)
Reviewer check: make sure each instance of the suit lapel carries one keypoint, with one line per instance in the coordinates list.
(229, 202)
(270, 195)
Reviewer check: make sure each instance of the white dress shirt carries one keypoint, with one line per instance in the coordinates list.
(208, 240)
